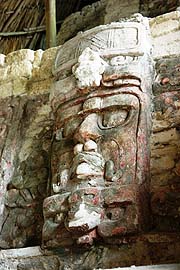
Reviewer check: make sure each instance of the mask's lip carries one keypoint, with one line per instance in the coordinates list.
(122, 76)
(83, 158)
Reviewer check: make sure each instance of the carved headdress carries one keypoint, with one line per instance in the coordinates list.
(117, 51)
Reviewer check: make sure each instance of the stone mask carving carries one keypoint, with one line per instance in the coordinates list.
(100, 152)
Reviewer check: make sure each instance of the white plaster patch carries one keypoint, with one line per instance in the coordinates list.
(64, 177)
(2, 59)
(89, 69)
(56, 187)
(21, 252)
(83, 217)
(84, 169)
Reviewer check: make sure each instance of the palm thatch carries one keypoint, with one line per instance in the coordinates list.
(23, 22)
(20, 16)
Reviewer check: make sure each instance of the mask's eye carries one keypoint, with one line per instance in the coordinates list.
(121, 60)
(113, 118)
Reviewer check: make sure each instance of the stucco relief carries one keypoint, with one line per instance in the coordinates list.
(100, 151)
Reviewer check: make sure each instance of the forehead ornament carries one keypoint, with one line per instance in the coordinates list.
(89, 69)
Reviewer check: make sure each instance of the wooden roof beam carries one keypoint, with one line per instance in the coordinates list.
(50, 9)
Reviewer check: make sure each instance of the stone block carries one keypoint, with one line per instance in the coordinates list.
(21, 252)
(55, 204)
(162, 179)
(37, 58)
(36, 71)
(165, 201)
(121, 212)
(166, 150)
(165, 137)
(6, 89)
(19, 86)
(4, 73)
(41, 263)
(165, 23)
(45, 69)
(39, 87)
(163, 163)
(165, 29)
(19, 56)
(20, 69)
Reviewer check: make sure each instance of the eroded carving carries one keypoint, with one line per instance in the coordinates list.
(24, 170)
(100, 154)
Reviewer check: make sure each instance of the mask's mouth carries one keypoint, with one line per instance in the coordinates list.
(89, 168)
(84, 218)
(87, 164)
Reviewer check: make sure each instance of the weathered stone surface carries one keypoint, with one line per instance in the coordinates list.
(39, 87)
(42, 263)
(42, 69)
(38, 58)
(166, 137)
(20, 56)
(165, 29)
(21, 252)
(28, 259)
(24, 169)
(157, 7)
(117, 9)
(166, 112)
(17, 65)
(88, 17)
(17, 69)
(152, 267)
(166, 201)
(165, 153)
(92, 197)
(100, 195)
(6, 89)
(19, 86)
(26, 72)
(168, 79)
(142, 251)
(3, 73)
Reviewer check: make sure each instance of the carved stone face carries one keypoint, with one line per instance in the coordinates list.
(99, 154)
(99, 133)
(95, 166)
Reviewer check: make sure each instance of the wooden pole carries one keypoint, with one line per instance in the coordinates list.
(50, 7)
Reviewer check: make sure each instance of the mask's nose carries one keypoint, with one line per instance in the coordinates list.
(88, 129)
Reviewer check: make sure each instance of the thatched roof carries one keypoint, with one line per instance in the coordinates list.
(20, 16)
(22, 22)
